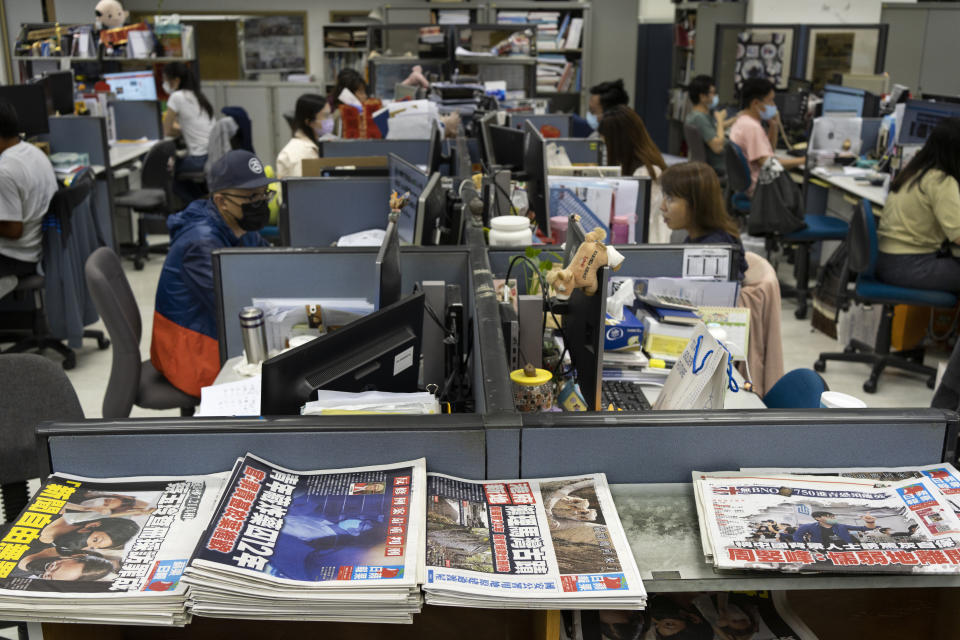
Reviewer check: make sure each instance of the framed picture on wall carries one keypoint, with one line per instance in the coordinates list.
(274, 44)
(763, 54)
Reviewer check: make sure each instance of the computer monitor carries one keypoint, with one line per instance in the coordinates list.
(30, 103)
(435, 155)
(58, 86)
(406, 177)
(535, 172)
(933, 97)
(838, 99)
(920, 117)
(486, 144)
(584, 325)
(508, 147)
(132, 85)
(791, 106)
(379, 352)
(431, 212)
(388, 268)
(575, 237)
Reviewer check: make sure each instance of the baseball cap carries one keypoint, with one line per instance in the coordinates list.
(238, 169)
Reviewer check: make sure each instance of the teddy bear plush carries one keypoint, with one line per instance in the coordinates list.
(582, 270)
(110, 14)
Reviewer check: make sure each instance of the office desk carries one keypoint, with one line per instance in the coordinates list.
(660, 521)
(857, 188)
(227, 374)
(124, 152)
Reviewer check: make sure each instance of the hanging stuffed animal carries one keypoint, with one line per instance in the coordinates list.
(582, 270)
(110, 14)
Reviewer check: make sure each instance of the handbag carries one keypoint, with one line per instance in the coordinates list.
(777, 204)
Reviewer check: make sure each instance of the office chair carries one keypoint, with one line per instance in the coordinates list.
(862, 241)
(153, 201)
(817, 229)
(798, 389)
(696, 146)
(131, 382)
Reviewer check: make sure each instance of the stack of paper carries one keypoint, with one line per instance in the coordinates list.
(776, 520)
(341, 402)
(552, 543)
(344, 544)
(105, 550)
(453, 16)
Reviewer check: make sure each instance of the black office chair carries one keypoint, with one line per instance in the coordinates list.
(152, 202)
(862, 241)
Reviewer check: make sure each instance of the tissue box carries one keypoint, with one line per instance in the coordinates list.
(625, 335)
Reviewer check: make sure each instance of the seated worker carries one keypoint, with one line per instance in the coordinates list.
(922, 214)
(630, 146)
(190, 115)
(184, 346)
(703, 95)
(693, 201)
(747, 132)
(312, 122)
(604, 97)
(27, 184)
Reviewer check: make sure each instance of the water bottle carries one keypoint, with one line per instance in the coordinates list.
(254, 334)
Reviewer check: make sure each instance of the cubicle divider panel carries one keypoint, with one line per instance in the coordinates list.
(137, 119)
(451, 444)
(413, 151)
(560, 121)
(640, 261)
(88, 134)
(258, 102)
(243, 274)
(321, 210)
(666, 446)
(581, 150)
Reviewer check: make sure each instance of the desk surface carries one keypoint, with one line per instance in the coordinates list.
(856, 188)
(123, 152)
(660, 521)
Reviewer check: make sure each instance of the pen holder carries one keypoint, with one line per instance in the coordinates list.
(532, 389)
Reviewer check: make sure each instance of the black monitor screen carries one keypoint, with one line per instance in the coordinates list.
(30, 103)
(535, 172)
(432, 212)
(507, 147)
(583, 329)
(59, 88)
(379, 352)
(388, 268)
(435, 156)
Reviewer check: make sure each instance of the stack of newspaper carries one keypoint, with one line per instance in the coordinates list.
(107, 551)
(850, 520)
(344, 544)
(553, 543)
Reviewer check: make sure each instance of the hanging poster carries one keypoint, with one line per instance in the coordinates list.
(274, 43)
(762, 55)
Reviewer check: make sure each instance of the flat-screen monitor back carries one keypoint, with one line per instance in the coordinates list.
(406, 177)
(59, 88)
(583, 330)
(535, 170)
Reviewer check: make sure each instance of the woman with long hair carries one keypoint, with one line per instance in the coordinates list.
(920, 226)
(312, 121)
(189, 114)
(630, 147)
(693, 202)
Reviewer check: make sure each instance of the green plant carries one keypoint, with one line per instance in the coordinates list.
(539, 257)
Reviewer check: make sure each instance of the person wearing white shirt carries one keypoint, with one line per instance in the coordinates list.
(312, 122)
(27, 184)
(190, 115)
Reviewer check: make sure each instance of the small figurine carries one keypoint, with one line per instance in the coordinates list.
(582, 271)
(398, 202)
(110, 14)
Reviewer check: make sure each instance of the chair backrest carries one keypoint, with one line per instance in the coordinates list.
(738, 169)
(798, 389)
(66, 200)
(34, 389)
(117, 307)
(862, 240)
(696, 146)
(157, 170)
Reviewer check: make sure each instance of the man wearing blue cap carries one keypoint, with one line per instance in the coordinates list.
(184, 347)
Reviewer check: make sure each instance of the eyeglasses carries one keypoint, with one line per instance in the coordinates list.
(267, 195)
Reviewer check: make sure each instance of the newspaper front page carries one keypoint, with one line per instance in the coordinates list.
(814, 523)
(105, 550)
(554, 542)
(342, 544)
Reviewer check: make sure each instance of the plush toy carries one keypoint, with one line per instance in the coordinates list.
(582, 271)
(110, 14)
(416, 78)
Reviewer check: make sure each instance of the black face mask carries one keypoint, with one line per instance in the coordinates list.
(255, 215)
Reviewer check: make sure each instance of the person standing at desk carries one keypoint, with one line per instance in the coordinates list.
(922, 214)
(27, 184)
(630, 146)
(703, 95)
(189, 114)
(184, 346)
(747, 132)
(312, 122)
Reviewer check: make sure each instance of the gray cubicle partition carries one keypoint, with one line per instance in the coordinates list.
(163, 446)
(641, 261)
(318, 211)
(562, 121)
(135, 119)
(581, 150)
(88, 134)
(413, 151)
(665, 446)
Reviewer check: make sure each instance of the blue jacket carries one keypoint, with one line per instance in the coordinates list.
(184, 347)
(813, 528)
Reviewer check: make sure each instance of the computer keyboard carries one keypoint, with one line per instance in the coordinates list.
(623, 396)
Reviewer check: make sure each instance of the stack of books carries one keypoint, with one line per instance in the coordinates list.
(337, 545)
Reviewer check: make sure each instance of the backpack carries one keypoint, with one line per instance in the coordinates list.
(777, 204)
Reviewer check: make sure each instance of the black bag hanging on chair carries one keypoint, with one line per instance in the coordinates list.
(777, 204)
